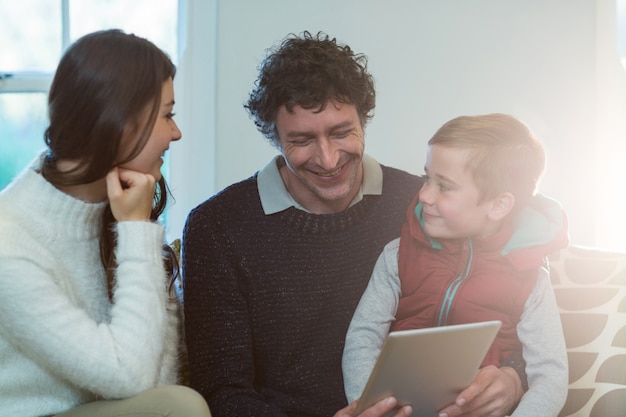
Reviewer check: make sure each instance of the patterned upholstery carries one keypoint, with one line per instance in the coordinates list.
(590, 288)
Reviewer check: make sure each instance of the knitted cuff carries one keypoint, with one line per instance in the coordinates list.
(517, 362)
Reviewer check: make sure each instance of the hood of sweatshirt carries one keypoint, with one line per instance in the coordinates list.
(539, 229)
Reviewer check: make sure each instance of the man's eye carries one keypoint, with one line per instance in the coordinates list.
(300, 142)
(342, 134)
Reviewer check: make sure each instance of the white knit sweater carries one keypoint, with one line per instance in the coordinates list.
(62, 343)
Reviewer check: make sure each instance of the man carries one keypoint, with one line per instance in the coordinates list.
(275, 265)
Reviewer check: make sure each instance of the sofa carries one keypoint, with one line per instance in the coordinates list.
(590, 289)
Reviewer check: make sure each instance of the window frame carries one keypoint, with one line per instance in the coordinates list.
(36, 81)
(25, 82)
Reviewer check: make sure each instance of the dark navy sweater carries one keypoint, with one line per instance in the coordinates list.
(268, 298)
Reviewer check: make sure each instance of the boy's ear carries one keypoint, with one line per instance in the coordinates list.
(501, 206)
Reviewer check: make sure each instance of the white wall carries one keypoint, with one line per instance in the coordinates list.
(554, 64)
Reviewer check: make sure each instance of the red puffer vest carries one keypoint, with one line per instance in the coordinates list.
(456, 282)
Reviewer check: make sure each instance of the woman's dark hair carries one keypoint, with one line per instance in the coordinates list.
(308, 71)
(100, 92)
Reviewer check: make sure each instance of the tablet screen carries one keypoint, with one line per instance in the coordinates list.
(428, 368)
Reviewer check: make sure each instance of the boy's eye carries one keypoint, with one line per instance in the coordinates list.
(443, 187)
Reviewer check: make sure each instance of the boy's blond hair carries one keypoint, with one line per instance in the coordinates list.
(502, 154)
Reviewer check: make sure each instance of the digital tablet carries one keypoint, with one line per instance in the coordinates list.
(428, 368)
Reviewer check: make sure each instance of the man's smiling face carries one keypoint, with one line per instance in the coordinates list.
(323, 151)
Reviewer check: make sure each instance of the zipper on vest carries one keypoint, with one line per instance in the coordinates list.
(446, 305)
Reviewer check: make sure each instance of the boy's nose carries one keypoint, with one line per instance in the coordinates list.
(426, 195)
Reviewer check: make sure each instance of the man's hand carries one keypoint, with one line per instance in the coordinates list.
(494, 392)
(130, 194)
(377, 410)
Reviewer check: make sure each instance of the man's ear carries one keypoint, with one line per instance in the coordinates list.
(501, 206)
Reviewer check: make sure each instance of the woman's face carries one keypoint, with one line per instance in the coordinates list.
(150, 158)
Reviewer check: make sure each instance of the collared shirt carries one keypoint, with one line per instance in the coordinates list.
(276, 198)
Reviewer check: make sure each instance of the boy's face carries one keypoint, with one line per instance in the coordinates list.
(451, 198)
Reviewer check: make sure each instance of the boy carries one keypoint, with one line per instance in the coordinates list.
(473, 249)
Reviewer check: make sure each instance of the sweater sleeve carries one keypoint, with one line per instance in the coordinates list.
(111, 357)
(544, 351)
(371, 322)
(221, 369)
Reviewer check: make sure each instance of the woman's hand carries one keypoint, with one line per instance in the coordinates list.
(130, 194)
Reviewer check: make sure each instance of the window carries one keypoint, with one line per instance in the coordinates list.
(621, 30)
(40, 30)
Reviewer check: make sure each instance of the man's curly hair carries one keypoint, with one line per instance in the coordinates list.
(308, 71)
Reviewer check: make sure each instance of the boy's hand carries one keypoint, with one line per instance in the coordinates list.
(494, 392)
(130, 194)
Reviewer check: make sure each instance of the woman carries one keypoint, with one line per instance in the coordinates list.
(89, 322)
